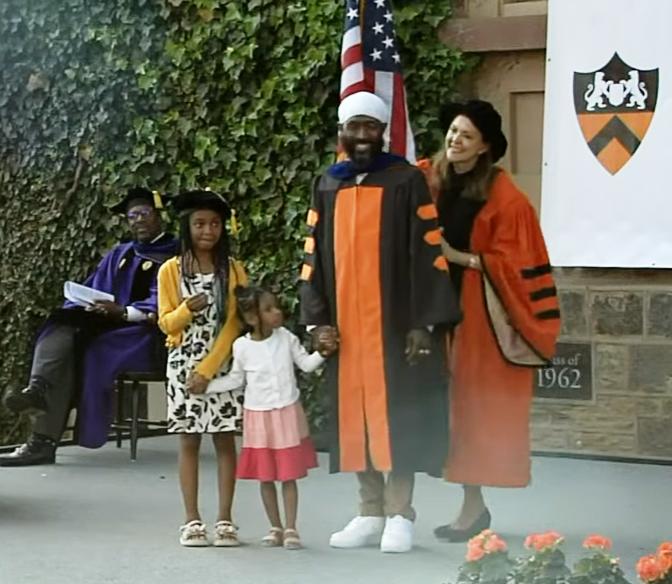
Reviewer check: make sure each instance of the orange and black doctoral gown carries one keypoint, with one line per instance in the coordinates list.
(491, 391)
(374, 269)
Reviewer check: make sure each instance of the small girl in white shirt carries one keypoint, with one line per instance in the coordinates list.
(276, 441)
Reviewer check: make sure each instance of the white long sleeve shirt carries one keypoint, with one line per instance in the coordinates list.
(265, 369)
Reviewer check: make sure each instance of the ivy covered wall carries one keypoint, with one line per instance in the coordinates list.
(238, 95)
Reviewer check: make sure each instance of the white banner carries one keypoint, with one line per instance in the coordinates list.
(606, 193)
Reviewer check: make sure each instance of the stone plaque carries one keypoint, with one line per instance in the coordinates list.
(570, 376)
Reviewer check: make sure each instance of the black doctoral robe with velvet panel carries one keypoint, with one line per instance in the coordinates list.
(374, 269)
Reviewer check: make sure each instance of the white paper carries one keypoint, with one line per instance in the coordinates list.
(83, 295)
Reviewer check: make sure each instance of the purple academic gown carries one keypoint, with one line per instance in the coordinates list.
(129, 273)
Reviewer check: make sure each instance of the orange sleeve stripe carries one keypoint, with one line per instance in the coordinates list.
(312, 218)
(433, 237)
(427, 212)
(306, 272)
(309, 246)
(441, 263)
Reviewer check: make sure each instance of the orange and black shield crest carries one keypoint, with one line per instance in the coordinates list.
(615, 105)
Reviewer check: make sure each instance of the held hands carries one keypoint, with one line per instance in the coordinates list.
(197, 302)
(109, 309)
(449, 252)
(325, 340)
(462, 258)
(197, 384)
(418, 344)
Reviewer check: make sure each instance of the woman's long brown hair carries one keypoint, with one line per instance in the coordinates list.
(477, 182)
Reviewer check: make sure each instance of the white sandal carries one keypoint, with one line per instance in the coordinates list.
(274, 538)
(194, 534)
(292, 541)
(226, 534)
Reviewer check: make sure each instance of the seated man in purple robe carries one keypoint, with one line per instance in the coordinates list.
(79, 352)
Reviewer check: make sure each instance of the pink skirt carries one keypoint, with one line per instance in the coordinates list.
(276, 445)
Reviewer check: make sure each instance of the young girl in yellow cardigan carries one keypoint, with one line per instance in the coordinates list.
(198, 314)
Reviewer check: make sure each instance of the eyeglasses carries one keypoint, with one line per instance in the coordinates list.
(137, 214)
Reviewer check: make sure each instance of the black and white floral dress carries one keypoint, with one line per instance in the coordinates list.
(197, 414)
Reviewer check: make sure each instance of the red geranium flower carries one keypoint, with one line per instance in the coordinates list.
(542, 541)
(474, 554)
(649, 569)
(486, 542)
(598, 542)
(495, 544)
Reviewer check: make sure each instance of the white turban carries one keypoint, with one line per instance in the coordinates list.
(363, 103)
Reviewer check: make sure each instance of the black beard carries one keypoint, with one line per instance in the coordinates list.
(362, 160)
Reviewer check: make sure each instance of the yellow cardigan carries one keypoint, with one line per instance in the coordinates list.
(174, 314)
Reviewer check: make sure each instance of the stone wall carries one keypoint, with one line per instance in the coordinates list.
(626, 317)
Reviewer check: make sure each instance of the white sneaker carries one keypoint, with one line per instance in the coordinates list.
(397, 536)
(194, 534)
(360, 532)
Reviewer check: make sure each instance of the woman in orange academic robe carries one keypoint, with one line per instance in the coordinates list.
(500, 268)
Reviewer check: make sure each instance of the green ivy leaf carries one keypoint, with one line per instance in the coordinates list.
(241, 96)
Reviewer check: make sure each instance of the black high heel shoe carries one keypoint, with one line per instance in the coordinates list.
(448, 533)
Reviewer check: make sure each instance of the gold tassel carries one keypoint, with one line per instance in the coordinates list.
(235, 228)
(158, 203)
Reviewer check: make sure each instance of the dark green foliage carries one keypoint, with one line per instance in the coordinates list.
(236, 95)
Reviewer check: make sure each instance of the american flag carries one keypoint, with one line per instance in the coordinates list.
(370, 62)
